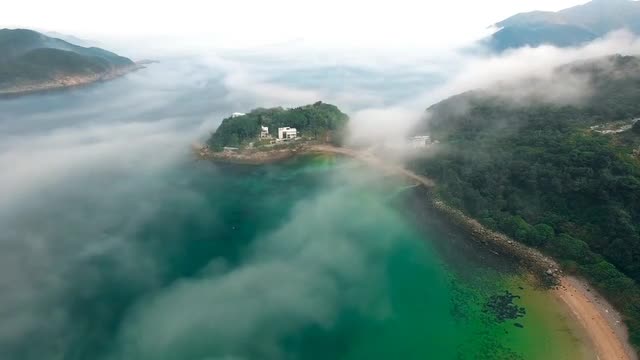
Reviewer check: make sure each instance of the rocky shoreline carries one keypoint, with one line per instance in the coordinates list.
(544, 268)
(67, 82)
(252, 156)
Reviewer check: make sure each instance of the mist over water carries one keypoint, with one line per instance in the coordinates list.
(107, 221)
(116, 244)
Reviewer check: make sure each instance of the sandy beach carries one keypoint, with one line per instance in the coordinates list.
(602, 324)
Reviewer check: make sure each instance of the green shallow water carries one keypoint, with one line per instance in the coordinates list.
(314, 258)
(438, 289)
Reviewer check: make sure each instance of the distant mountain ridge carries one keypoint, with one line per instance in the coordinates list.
(31, 61)
(569, 27)
(71, 39)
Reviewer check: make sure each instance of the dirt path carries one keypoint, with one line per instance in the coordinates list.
(374, 161)
(601, 323)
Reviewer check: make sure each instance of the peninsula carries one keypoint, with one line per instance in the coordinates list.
(265, 135)
(32, 62)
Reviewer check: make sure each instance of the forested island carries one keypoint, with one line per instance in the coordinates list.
(562, 178)
(32, 62)
(271, 134)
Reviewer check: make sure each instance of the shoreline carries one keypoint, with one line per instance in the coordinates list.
(248, 157)
(602, 325)
(67, 83)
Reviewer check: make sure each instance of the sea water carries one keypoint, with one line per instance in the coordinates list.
(315, 258)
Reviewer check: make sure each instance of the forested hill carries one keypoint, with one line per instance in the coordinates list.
(317, 121)
(30, 59)
(540, 173)
(612, 84)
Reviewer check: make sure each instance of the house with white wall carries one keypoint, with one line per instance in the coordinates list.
(418, 142)
(287, 133)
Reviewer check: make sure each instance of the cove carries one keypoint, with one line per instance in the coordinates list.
(320, 257)
(317, 257)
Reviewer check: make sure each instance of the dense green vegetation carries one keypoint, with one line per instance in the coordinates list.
(45, 64)
(319, 121)
(28, 57)
(537, 173)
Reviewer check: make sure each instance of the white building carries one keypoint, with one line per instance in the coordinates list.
(264, 132)
(237, 114)
(418, 142)
(287, 133)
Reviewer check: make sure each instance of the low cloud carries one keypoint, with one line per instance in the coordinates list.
(243, 86)
(519, 77)
(301, 275)
(531, 73)
(85, 171)
(46, 159)
(88, 170)
(380, 126)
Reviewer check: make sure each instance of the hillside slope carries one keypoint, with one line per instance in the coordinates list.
(540, 173)
(570, 27)
(30, 61)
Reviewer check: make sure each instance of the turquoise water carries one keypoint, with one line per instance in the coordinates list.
(314, 258)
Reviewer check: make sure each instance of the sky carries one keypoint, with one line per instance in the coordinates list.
(240, 24)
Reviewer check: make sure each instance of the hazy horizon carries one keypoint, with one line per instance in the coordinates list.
(398, 25)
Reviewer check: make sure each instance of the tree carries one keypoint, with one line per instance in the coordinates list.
(568, 247)
(542, 234)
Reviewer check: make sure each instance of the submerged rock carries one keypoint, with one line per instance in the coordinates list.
(503, 308)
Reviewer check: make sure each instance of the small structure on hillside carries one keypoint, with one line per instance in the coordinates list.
(287, 133)
(616, 127)
(419, 142)
(264, 132)
(237, 114)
